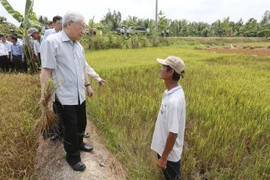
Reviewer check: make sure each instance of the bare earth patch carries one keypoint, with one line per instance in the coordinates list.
(255, 52)
(50, 163)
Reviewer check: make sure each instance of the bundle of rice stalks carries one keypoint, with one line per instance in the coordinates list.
(47, 117)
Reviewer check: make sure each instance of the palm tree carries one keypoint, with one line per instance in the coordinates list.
(111, 20)
(265, 24)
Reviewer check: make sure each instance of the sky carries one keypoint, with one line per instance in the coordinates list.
(191, 10)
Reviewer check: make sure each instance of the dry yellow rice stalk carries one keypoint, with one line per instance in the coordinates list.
(47, 116)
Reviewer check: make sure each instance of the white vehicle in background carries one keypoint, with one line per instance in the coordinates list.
(137, 30)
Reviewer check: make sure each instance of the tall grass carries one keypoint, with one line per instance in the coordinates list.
(117, 41)
(18, 100)
(228, 112)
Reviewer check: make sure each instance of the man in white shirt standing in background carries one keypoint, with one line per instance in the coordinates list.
(57, 24)
(5, 63)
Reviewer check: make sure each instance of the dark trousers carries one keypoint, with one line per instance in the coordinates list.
(18, 64)
(4, 64)
(57, 129)
(74, 120)
(25, 66)
(38, 60)
(11, 64)
(172, 172)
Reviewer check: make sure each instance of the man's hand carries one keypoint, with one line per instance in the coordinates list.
(23, 60)
(101, 83)
(162, 163)
(44, 76)
(89, 91)
(11, 60)
(50, 103)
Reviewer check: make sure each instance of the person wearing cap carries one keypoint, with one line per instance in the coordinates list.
(35, 34)
(168, 137)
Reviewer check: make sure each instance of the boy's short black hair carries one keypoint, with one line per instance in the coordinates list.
(14, 38)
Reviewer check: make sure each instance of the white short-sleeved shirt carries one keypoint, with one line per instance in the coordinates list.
(171, 118)
(36, 47)
(7, 45)
(67, 61)
(47, 33)
(3, 50)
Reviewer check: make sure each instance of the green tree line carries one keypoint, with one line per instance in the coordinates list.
(185, 28)
(182, 27)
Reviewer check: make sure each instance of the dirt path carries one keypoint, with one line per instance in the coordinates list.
(100, 164)
(255, 52)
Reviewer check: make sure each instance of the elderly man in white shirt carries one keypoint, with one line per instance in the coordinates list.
(57, 20)
(63, 60)
(168, 138)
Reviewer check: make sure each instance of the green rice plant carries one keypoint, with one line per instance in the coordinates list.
(227, 114)
(143, 41)
(134, 40)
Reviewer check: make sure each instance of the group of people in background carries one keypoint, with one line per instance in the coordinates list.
(12, 54)
(165, 33)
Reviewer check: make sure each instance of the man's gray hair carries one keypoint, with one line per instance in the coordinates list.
(72, 16)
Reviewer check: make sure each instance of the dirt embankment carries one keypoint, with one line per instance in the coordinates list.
(100, 163)
(250, 50)
(255, 52)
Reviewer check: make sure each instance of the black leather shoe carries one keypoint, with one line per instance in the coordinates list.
(85, 147)
(78, 167)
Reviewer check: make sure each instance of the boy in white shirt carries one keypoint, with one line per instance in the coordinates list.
(168, 138)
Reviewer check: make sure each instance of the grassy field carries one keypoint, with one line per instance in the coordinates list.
(228, 113)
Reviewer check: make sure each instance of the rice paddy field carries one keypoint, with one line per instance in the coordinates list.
(228, 113)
